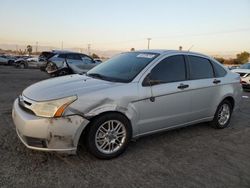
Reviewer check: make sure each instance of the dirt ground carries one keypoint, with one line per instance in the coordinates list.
(195, 156)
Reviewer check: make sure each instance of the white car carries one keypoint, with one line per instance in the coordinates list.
(31, 62)
(130, 95)
(244, 71)
(6, 60)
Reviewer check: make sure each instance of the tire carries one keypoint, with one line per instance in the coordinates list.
(104, 142)
(10, 62)
(22, 66)
(219, 115)
(63, 72)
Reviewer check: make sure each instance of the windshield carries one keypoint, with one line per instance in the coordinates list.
(245, 66)
(123, 67)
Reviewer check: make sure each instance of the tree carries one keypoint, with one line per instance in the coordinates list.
(95, 56)
(29, 49)
(220, 59)
(230, 61)
(242, 57)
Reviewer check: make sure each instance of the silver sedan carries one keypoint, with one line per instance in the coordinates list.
(131, 95)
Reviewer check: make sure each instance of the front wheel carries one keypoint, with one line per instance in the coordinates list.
(223, 115)
(63, 72)
(108, 135)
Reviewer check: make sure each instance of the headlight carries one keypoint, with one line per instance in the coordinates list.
(53, 108)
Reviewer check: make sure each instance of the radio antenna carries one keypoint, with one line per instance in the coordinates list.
(190, 48)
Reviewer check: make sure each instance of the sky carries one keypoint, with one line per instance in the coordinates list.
(205, 25)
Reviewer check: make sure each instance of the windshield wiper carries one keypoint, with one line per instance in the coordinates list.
(95, 75)
(102, 77)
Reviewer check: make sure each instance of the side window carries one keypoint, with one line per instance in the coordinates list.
(171, 69)
(200, 68)
(61, 56)
(86, 60)
(73, 57)
(218, 70)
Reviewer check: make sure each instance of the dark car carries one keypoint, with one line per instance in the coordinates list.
(63, 63)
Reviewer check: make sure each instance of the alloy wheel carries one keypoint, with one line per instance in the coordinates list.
(110, 136)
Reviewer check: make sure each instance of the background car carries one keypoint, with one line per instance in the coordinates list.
(6, 60)
(44, 57)
(244, 72)
(233, 67)
(33, 62)
(21, 62)
(98, 60)
(64, 63)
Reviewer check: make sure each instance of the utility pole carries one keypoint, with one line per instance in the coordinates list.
(89, 46)
(149, 39)
(16, 49)
(62, 45)
(36, 47)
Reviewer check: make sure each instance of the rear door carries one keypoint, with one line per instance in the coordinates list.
(87, 63)
(74, 62)
(32, 62)
(204, 87)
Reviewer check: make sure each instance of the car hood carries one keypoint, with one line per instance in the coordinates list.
(65, 86)
(241, 70)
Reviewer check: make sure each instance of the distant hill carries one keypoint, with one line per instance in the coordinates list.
(101, 53)
(108, 53)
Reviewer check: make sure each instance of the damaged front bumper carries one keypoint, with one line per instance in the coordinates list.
(48, 134)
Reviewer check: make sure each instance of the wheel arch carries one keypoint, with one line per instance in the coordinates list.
(91, 119)
(231, 100)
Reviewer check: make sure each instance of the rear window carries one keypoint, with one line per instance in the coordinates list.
(73, 56)
(46, 55)
(200, 68)
(219, 71)
(62, 56)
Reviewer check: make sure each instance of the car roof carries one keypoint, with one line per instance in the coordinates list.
(65, 52)
(166, 52)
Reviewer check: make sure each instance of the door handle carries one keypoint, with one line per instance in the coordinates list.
(216, 81)
(183, 86)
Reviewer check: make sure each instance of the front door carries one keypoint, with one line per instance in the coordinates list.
(166, 101)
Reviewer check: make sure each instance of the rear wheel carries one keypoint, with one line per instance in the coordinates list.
(10, 62)
(223, 115)
(63, 72)
(108, 136)
(22, 66)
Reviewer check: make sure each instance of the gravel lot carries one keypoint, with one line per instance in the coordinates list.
(195, 156)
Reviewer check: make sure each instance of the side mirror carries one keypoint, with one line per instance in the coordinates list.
(148, 81)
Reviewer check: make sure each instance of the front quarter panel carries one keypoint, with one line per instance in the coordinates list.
(114, 99)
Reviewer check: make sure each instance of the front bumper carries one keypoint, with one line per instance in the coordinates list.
(48, 134)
